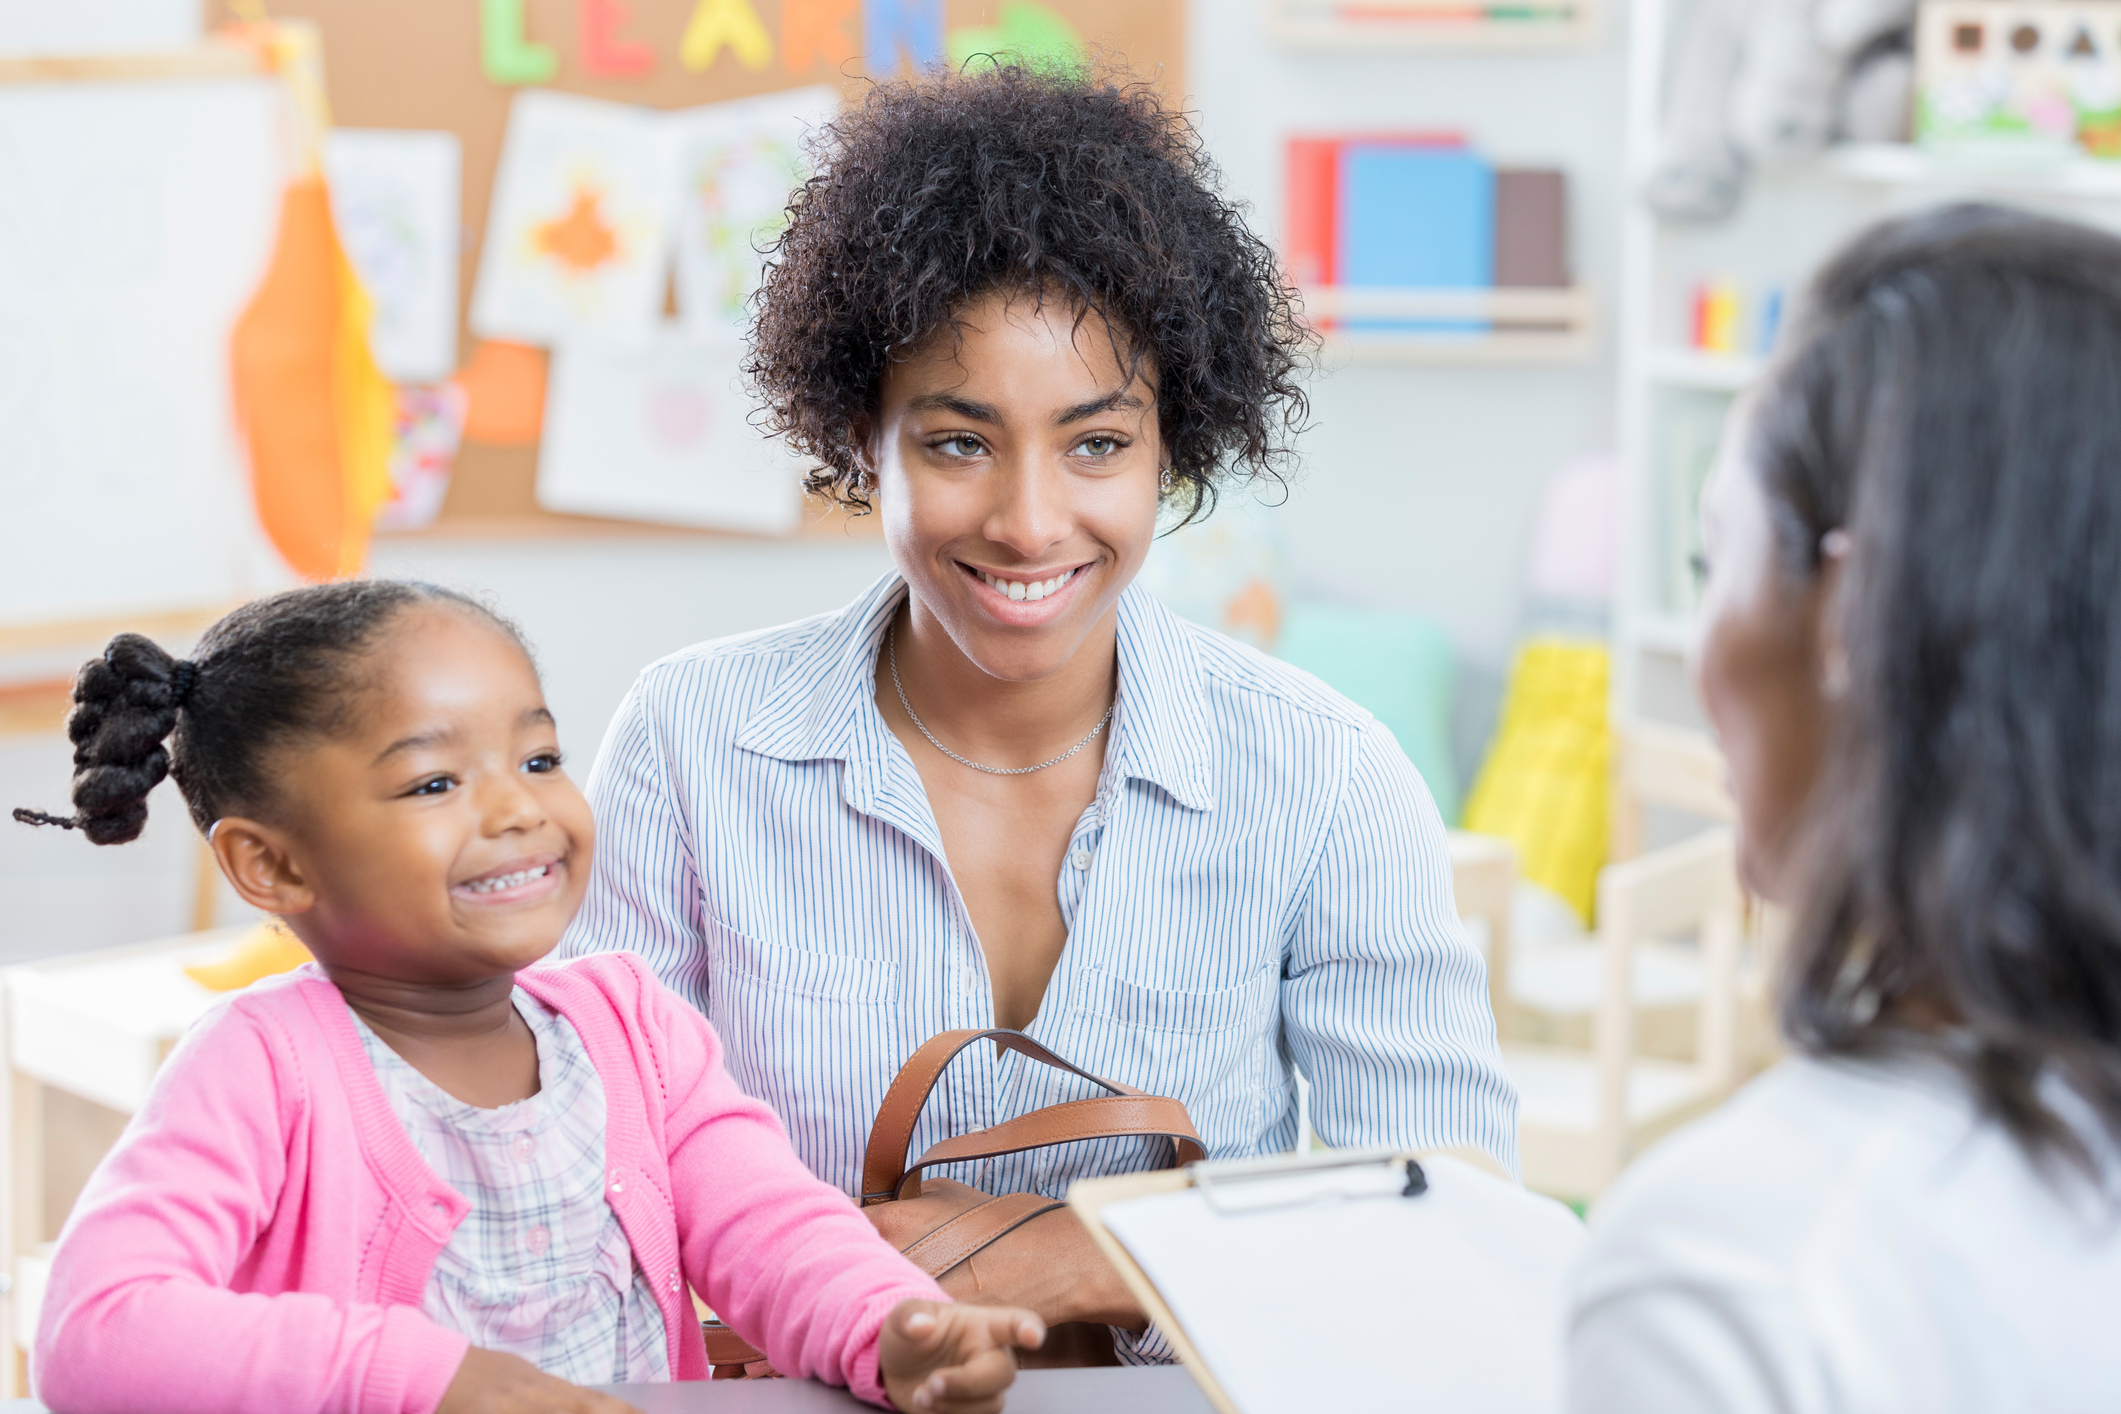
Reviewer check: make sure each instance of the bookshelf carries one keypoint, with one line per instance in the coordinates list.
(1386, 25)
(1673, 398)
(1503, 325)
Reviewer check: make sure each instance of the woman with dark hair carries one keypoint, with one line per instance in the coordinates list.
(1912, 655)
(1004, 787)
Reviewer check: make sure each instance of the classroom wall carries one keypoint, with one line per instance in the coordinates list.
(1418, 481)
(1415, 490)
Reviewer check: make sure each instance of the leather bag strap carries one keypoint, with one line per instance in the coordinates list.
(1105, 1117)
(884, 1163)
(726, 1347)
(884, 1169)
(974, 1228)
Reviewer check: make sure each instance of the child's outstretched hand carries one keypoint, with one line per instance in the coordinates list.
(940, 1358)
(489, 1382)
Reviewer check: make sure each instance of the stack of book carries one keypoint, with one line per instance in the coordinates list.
(1435, 21)
(1421, 211)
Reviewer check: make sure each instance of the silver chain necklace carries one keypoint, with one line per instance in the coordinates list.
(990, 770)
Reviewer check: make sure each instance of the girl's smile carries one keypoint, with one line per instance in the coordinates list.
(514, 883)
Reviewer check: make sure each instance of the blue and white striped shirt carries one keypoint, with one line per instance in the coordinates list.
(1262, 879)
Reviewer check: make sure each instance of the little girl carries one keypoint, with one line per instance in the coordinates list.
(415, 1176)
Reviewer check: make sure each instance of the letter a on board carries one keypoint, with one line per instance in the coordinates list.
(718, 22)
(505, 52)
(603, 52)
(892, 26)
(813, 31)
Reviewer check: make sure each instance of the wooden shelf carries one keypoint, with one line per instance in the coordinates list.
(2025, 174)
(1529, 326)
(214, 60)
(1429, 25)
(1708, 372)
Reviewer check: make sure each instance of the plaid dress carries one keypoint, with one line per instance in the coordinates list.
(540, 1266)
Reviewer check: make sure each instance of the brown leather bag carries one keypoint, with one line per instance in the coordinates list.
(943, 1225)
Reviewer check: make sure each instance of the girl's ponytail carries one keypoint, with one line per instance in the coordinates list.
(275, 671)
(125, 707)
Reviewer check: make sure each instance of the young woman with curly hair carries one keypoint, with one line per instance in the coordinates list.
(1013, 314)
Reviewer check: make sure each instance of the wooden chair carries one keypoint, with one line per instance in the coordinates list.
(1657, 766)
(1657, 1016)
(1484, 881)
(1657, 770)
(1584, 1113)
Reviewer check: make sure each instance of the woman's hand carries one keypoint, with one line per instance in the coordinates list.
(938, 1358)
(489, 1382)
(1052, 1265)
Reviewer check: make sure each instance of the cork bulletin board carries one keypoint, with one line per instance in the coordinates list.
(455, 65)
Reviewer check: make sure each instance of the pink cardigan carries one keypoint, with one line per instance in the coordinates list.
(260, 1238)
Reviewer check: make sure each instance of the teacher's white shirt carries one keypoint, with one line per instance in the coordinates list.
(1848, 1236)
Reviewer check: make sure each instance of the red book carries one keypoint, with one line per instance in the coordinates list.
(1314, 196)
(1314, 164)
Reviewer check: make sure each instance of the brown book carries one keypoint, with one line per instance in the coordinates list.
(1531, 230)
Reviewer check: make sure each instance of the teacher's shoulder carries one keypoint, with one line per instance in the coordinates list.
(719, 684)
(1260, 706)
(1236, 677)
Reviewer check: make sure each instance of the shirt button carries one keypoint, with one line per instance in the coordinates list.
(523, 1146)
(1080, 859)
(537, 1240)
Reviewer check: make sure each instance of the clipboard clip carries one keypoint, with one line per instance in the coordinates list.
(1216, 1181)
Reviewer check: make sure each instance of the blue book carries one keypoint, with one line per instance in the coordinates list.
(1415, 216)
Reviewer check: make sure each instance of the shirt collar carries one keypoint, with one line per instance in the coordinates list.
(1161, 732)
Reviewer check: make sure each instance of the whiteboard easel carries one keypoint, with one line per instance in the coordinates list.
(143, 205)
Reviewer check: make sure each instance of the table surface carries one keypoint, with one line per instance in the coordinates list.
(1164, 1389)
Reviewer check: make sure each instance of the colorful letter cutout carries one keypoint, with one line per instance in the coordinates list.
(815, 31)
(603, 52)
(505, 51)
(892, 26)
(716, 23)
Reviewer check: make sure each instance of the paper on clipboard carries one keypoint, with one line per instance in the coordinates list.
(1451, 1299)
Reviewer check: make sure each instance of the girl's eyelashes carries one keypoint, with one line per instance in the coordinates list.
(543, 762)
(1100, 444)
(434, 785)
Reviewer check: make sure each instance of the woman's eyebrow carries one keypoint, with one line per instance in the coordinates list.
(950, 402)
(1120, 401)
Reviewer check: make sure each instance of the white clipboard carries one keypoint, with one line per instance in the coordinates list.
(1375, 1279)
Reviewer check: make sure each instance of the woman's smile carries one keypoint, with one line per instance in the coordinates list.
(1025, 598)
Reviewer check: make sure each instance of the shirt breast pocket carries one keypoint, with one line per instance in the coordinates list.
(1212, 1050)
(789, 1017)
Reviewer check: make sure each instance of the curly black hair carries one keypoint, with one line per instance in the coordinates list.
(276, 670)
(1061, 183)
